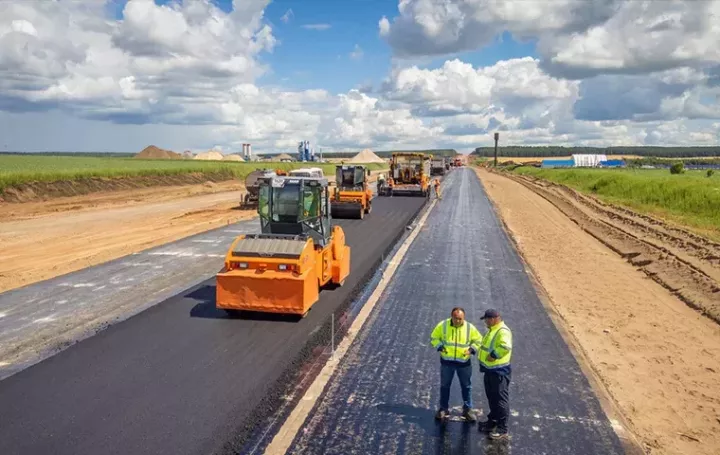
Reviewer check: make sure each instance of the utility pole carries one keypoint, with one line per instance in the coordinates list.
(497, 136)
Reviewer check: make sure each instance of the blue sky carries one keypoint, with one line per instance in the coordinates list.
(586, 76)
(310, 58)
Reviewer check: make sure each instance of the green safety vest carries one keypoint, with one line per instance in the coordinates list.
(498, 341)
(455, 340)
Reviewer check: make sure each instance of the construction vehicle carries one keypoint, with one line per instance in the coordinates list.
(352, 196)
(409, 175)
(437, 166)
(282, 269)
(252, 187)
(458, 162)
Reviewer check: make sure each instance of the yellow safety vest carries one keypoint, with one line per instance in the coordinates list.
(455, 340)
(498, 341)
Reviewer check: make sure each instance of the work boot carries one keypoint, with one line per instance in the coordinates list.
(487, 426)
(497, 435)
(469, 415)
(441, 414)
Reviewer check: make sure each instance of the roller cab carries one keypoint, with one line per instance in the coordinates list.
(282, 269)
(352, 197)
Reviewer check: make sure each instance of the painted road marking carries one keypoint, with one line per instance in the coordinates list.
(184, 254)
(284, 437)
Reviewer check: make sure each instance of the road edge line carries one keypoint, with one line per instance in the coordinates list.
(288, 431)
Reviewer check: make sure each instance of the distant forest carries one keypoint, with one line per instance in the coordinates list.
(541, 152)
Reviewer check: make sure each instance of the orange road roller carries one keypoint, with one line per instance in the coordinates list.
(282, 269)
(353, 196)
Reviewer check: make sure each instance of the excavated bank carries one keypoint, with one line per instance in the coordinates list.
(41, 191)
(682, 262)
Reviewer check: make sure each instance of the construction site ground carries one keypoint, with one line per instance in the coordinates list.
(658, 357)
(179, 377)
(597, 364)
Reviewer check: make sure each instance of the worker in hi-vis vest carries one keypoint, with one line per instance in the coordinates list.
(494, 357)
(456, 340)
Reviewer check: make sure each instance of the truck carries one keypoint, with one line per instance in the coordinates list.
(437, 166)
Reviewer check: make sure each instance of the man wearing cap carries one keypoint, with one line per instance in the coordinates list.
(456, 340)
(495, 353)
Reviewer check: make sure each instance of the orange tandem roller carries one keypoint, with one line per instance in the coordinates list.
(282, 269)
(353, 196)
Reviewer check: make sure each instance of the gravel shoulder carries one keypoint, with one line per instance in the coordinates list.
(621, 313)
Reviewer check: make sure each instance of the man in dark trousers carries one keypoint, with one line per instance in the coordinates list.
(456, 340)
(495, 353)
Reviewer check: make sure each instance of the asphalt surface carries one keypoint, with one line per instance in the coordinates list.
(386, 391)
(179, 377)
(42, 318)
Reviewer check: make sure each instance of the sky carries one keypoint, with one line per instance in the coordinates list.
(119, 75)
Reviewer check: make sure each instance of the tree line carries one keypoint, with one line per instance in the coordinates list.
(551, 151)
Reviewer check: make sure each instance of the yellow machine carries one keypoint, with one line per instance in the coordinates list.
(352, 195)
(282, 269)
(409, 174)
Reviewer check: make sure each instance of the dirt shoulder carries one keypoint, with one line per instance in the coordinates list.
(628, 326)
(42, 240)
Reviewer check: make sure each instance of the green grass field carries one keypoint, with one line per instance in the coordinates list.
(19, 169)
(692, 198)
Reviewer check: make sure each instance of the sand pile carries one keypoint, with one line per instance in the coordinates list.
(210, 155)
(366, 156)
(233, 157)
(157, 153)
(282, 157)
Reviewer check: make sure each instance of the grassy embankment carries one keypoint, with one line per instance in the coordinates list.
(691, 199)
(19, 169)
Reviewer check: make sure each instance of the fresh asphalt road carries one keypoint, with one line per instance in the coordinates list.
(41, 318)
(386, 391)
(179, 377)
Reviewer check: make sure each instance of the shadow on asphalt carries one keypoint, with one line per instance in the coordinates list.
(206, 309)
(450, 437)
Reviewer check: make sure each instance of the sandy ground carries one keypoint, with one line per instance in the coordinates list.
(46, 239)
(658, 358)
(42, 240)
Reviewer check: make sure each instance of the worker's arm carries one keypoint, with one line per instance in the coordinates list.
(475, 340)
(503, 344)
(436, 336)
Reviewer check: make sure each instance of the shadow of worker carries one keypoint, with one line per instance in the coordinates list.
(448, 439)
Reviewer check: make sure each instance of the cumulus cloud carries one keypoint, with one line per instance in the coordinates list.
(576, 38)
(188, 71)
(438, 27)
(167, 62)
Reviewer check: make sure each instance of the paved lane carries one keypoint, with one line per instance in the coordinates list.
(385, 393)
(179, 377)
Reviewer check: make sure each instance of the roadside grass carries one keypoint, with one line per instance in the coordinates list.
(19, 169)
(691, 199)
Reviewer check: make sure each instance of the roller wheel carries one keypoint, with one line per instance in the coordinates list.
(361, 213)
